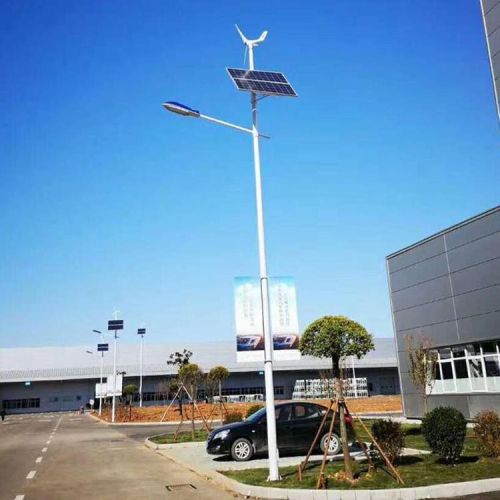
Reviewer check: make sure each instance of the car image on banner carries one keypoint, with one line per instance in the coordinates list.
(250, 342)
(281, 342)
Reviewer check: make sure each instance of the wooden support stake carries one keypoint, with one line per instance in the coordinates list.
(371, 465)
(387, 461)
(303, 464)
(321, 479)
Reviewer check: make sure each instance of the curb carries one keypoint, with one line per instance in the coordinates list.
(449, 490)
(171, 423)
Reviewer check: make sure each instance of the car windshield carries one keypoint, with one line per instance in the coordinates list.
(257, 415)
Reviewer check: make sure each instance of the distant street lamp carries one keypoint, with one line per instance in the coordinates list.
(141, 332)
(102, 361)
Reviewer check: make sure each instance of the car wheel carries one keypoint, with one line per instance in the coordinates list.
(242, 450)
(335, 444)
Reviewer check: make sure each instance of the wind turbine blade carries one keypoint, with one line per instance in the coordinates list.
(241, 34)
(263, 36)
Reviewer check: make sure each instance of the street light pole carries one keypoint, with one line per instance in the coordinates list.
(141, 332)
(102, 361)
(274, 474)
(114, 380)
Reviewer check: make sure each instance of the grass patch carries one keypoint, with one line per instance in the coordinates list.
(416, 471)
(182, 437)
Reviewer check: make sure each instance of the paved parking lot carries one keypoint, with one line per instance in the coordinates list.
(70, 456)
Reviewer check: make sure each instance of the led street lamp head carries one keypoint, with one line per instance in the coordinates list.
(180, 109)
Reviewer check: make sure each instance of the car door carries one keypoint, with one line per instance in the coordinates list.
(283, 429)
(305, 424)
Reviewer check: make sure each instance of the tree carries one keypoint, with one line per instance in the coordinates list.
(179, 359)
(336, 337)
(129, 391)
(163, 390)
(217, 375)
(190, 375)
(422, 366)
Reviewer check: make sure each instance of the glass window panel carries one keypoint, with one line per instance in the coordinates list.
(445, 353)
(447, 371)
(461, 368)
(476, 368)
(489, 347)
(463, 385)
(437, 375)
(493, 384)
(473, 349)
(458, 352)
(492, 366)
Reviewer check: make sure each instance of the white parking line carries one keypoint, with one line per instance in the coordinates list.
(44, 450)
(48, 442)
(31, 475)
(39, 459)
(19, 497)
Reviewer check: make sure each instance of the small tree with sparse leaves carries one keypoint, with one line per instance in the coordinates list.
(336, 337)
(422, 366)
(216, 376)
(190, 375)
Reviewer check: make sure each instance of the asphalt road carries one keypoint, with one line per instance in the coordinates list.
(62, 456)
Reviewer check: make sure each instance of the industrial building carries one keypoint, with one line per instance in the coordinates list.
(64, 378)
(447, 288)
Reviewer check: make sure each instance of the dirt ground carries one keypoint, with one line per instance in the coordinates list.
(376, 404)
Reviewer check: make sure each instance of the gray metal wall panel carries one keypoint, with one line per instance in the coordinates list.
(489, 4)
(482, 402)
(493, 19)
(418, 317)
(426, 270)
(474, 278)
(473, 231)
(484, 327)
(418, 254)
(478, 302)
(495, 43)
(458, 401)
(420, 294)
(441, 334)
(478, 251)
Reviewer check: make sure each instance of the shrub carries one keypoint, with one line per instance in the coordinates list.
(390, 437)
(253, 409)
(233, 417)
(444, 430)
(487, 429)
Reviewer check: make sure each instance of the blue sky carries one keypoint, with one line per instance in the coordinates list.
(107, 200)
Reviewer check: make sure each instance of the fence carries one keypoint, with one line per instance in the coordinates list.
(325, 389)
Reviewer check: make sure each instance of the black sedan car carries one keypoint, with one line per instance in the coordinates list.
(296, 425)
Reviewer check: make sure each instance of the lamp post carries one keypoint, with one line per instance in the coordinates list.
(181, 109)
(141, 332)
(114, 325)
(100, 381)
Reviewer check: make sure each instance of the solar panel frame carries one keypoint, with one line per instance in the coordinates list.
(271, 83)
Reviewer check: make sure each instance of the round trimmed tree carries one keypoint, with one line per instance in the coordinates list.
(335, 338)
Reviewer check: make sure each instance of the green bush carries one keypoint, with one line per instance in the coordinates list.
(390, 437)
(253, 409)
(233, 417)
(444, 429)
(487, 429)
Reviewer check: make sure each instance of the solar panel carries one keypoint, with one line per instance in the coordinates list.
(262, 82)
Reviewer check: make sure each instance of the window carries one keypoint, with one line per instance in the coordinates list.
(303, 412)
(466, 368)
(78, 398)
(14, 404)
(53, 399)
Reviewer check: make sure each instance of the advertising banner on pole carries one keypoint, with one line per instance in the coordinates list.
(248, 318)
(284, 318)
(110, 385)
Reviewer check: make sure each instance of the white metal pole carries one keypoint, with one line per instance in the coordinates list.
(100, 385)
(140, 377)
(354, 378)
(114, 380)
(268, 341)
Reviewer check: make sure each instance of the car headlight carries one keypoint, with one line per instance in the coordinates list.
(222, 434)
